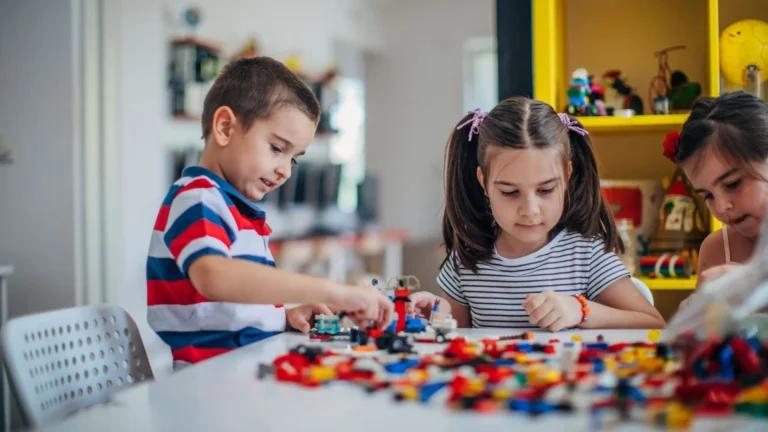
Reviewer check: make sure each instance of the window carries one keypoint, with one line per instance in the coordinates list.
(480, 74)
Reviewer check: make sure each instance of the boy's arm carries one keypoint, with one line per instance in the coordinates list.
(239, 281)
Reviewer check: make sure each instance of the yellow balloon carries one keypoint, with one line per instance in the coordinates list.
(744, 43)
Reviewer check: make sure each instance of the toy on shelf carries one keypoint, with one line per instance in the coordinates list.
(250, 49)
(585, 97)
(636, 200)
(671, 90)
(624, 102)
(682, 226)
(194, 64)
(666, 265)
(323, 86)
(744, 54)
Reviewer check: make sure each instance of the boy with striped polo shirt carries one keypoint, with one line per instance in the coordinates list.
(212, 285)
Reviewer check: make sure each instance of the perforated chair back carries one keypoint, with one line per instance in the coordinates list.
(643, 288)
(62, 361)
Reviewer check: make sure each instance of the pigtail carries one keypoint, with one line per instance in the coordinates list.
(468, 229)
(586, 210)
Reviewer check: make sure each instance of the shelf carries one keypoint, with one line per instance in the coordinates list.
(669, 284)
(665, 123)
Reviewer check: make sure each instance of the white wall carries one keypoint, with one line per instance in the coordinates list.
(414, 98)
(38, 196)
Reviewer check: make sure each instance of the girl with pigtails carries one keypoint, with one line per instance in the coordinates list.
(530, 239)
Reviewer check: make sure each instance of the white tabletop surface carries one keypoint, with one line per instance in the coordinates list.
(224, 394)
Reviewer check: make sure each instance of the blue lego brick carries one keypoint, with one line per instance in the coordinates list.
(637, 395)
(598, 366)
(754, 343)
(524, 347)
(520, 405)
(726, 363)
(401, 366)
(504, 362)
(541, 407)
(414, 325)
(429, 390)
(597, 346)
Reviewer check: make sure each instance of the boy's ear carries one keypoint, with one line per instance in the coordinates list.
(481, 179)
(223, 125)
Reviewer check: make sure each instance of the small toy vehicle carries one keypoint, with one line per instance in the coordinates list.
(393, 343)
(327, 324)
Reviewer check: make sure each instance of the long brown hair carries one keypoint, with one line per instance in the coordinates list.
(736, 124)
(518, 123)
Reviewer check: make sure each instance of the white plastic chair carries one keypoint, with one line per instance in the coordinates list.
(643, 288)
(62, 361)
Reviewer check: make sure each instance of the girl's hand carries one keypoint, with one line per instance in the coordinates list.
(422, 302)
(709, 275)
(715, 272)
(552, 311)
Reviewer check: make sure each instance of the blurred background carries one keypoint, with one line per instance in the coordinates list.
(100, 104)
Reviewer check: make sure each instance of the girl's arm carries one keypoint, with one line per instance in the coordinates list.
(621, 305)
(460, 313)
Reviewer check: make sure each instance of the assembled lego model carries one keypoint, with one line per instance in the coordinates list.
(585, 97)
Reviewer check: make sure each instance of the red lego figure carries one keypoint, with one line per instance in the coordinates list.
(401, 298)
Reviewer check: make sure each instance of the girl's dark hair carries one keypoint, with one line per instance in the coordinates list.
(518, 123)
(735, 123)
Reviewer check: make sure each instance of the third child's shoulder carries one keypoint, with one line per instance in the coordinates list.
(712, 249)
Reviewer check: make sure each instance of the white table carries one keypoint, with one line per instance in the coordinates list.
(224, 394)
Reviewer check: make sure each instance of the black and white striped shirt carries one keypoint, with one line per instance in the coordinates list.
(569, 264)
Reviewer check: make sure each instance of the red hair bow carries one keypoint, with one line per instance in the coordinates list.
(671, 143)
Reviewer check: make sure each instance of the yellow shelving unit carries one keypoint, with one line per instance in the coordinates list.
(634, 124)
(669, 284)
(605, 34)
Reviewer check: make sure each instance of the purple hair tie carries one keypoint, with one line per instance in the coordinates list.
(477, 119)
(572, 124)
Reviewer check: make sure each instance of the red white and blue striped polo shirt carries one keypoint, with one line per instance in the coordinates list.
(204, 215)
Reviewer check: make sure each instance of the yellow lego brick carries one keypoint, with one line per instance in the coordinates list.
(678, 416)
(757, 394)
(416, 375)
(321, 373)
(409, 393)
(501, 394)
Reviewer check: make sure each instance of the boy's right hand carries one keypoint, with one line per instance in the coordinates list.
(363, 304)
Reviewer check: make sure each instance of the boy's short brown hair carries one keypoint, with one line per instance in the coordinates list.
(254, 88)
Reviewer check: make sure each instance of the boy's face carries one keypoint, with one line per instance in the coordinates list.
(260, 159)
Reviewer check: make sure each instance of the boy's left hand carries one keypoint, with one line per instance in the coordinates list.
(299, 317)
(552, 311)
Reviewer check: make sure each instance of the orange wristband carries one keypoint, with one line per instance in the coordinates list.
(584, 308)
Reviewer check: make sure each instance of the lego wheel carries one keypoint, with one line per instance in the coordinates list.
(397, 345)
(440, 338)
